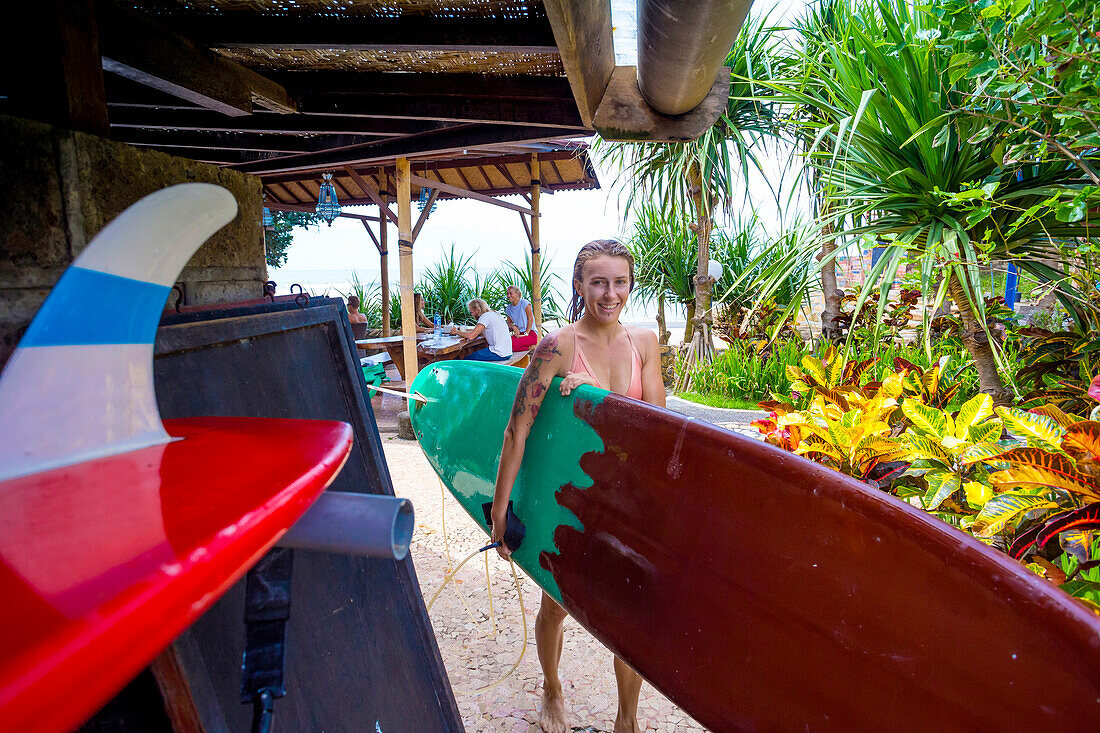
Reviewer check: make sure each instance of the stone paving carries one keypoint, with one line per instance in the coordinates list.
(478, 649)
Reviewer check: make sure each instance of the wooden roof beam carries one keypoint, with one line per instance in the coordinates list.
(487, 86)
(439, 142)
(304, 209)
(348, 33)
(266, 122)
(138, 48)
(541, 112)
(582, 30)
(231, 140)
(449, 162)
(463, 193)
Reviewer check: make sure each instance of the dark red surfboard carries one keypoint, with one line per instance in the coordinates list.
(757, 589)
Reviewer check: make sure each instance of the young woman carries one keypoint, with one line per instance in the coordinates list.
(595, 349)
(423, 323)
(521, 320)
(495, 328)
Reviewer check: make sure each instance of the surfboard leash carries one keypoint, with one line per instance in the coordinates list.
(523, 615)
(451, 564)
(448, 578)
(404, 395)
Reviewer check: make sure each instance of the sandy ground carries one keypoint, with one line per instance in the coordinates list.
(479, 648)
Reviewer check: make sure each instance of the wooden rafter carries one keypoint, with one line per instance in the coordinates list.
(521, 112)
(472, 35)
(464, 193)
(508, 177)
(302, 208)
(142, 50)
(423, 86)
(266, 123)
(377, 244)
(582, 30)
(371, 193)
(437, 142)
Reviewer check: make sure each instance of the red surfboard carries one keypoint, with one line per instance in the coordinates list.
(104, 563)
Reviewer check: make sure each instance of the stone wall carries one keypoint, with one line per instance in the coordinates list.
(61, 188)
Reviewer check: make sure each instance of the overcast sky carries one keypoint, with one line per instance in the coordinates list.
(492, 234)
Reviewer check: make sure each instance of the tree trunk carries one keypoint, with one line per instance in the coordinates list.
(702, 346)
(976, 342)
(689, 327)
(830, 331)
(662, 331)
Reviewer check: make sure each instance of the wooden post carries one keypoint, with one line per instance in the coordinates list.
(536, 257)
(405, 256)
(384, 259)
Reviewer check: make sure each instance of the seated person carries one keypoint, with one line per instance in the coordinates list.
(354, 316)
(423, 323)
(495, 328)
(521, 320)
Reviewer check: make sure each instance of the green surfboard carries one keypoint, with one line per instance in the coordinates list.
(757, 589)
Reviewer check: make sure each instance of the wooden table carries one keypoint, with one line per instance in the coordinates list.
(428, 350)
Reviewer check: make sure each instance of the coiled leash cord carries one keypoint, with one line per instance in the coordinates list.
(519, 594)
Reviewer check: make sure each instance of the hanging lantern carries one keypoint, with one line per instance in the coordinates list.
(328, 208)
(268, 220)
(425, 195)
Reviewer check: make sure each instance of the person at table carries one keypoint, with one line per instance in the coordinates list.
(521, 320)
(354, 316)
(423, 323)
(495, 329)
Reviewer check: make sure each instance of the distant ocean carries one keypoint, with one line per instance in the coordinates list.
(337, 282)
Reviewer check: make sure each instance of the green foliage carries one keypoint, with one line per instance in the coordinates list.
(278, 238)
(665, 255)
(549, 283)
(446, 287)
(873, 92)
(1055, 366)
(744, 373)
(452, 281)
(1035, 68)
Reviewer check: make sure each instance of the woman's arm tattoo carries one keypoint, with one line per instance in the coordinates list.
(529, 384)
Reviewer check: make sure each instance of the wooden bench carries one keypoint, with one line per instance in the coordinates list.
(520, 358)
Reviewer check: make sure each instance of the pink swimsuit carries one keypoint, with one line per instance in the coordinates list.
(580, 364)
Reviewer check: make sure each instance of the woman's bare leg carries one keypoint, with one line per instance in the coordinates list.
(629, 683)
(549, 627)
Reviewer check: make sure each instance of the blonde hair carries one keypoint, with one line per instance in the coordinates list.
(596, 248)
(482, 306)
(510, 288)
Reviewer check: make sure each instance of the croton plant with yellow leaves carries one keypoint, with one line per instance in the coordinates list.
(1024, 481)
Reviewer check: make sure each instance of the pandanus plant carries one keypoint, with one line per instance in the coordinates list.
(899, 164)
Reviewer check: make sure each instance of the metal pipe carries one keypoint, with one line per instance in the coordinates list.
(681, 45)
(354, 524)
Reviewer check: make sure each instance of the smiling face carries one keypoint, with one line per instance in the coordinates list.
(513, 296)
(605, 287)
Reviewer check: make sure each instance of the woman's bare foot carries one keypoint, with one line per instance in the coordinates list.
(623, 725)
(552, 718)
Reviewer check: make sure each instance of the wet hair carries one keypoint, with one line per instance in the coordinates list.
(482, 306)
(353, 301)
(595, 248)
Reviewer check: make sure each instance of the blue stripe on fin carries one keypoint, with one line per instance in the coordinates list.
(88, 307)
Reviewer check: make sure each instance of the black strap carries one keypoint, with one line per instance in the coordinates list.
(266, 610)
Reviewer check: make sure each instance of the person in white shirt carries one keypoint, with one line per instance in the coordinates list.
(495, 328)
